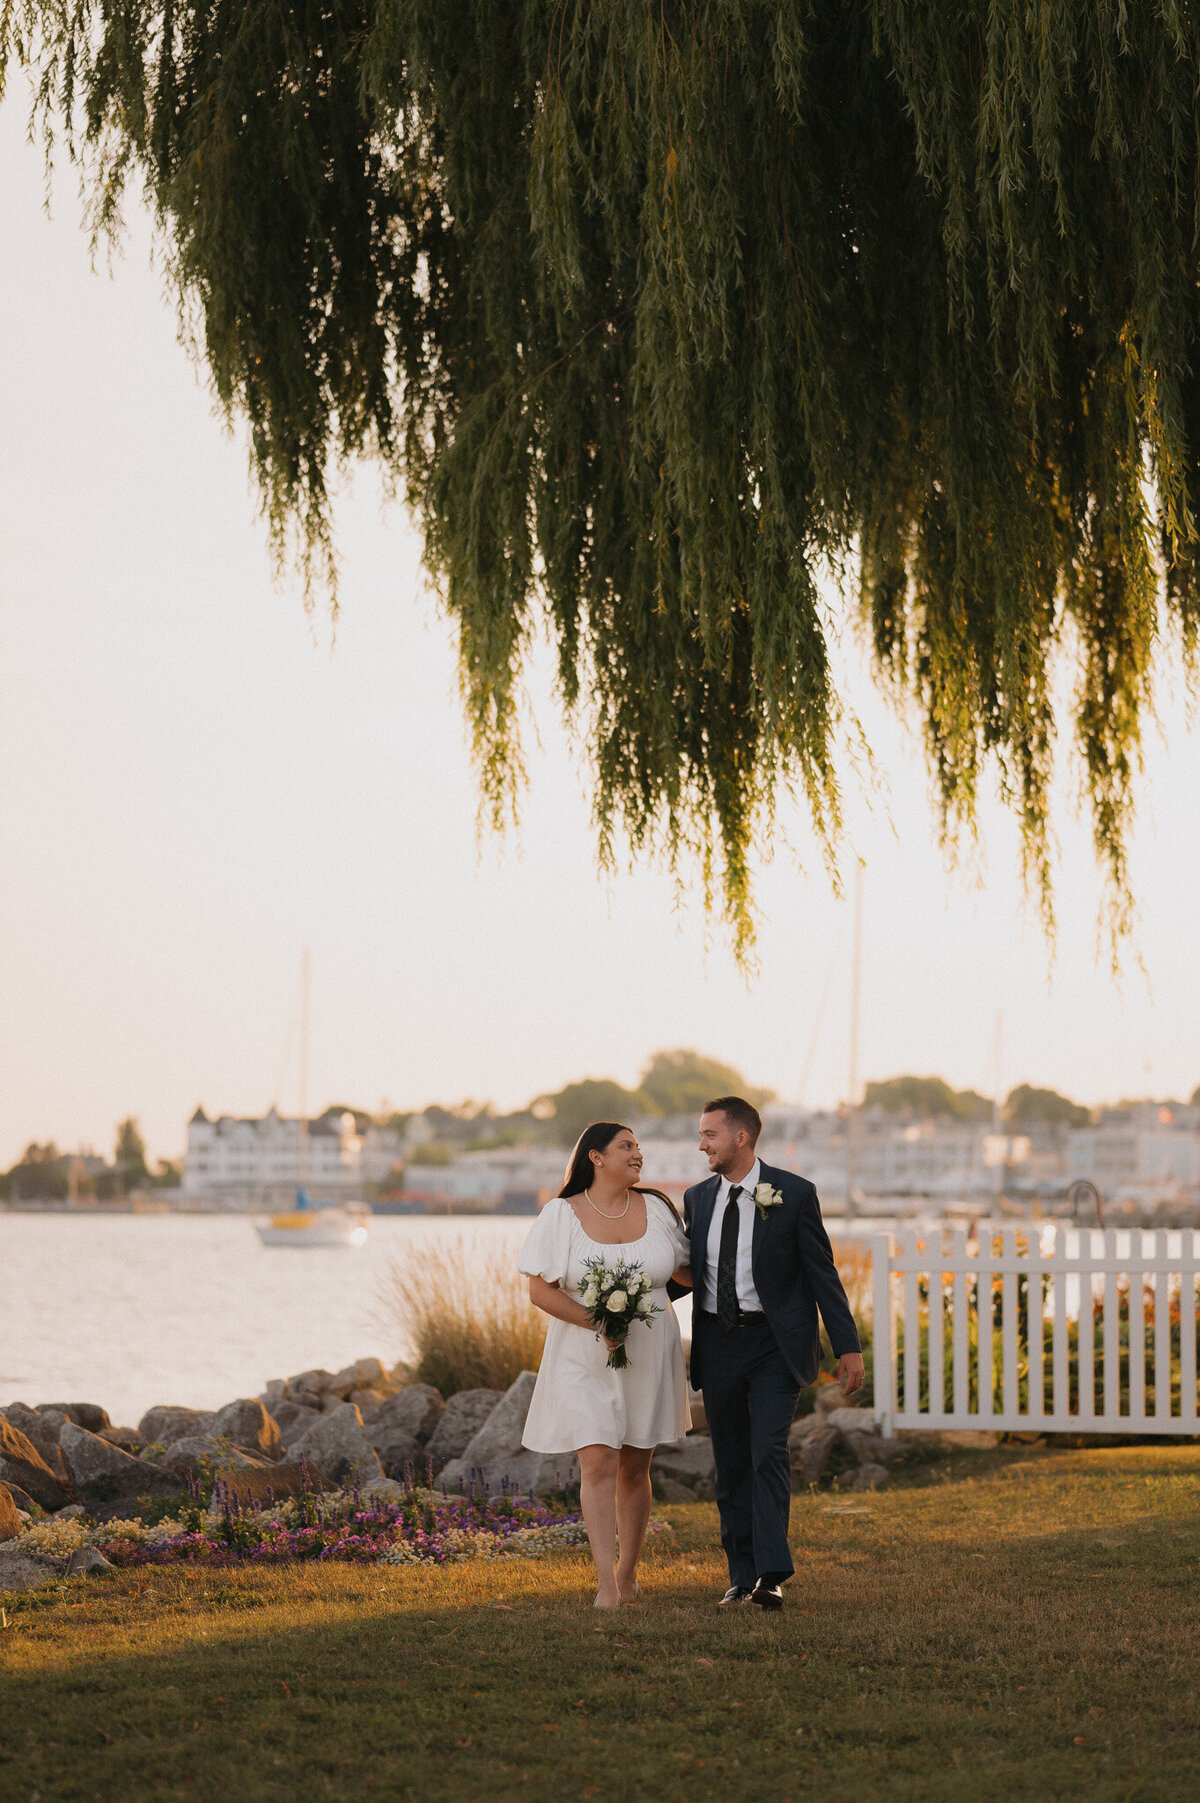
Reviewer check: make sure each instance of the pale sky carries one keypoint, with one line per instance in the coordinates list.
(194, 784)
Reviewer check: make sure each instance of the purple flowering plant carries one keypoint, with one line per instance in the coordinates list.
(420, 1526)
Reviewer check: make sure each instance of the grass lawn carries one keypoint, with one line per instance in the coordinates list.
(1019, 1624)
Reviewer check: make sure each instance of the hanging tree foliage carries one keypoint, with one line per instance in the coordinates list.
(656, 308)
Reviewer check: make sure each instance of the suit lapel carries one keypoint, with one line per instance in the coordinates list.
(766, 1174)
(701, 1222)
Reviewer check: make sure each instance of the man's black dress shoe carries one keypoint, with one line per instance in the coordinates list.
(735, 1594)
(767, 1595)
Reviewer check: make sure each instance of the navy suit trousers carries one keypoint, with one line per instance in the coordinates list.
(750, 1399)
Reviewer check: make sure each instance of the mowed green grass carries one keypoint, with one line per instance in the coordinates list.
(1024, 1625)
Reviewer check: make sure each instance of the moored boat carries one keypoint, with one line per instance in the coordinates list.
(316, 1224)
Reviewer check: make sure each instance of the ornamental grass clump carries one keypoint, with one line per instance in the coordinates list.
(468, 1327)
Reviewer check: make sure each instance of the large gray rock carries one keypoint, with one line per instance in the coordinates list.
(495, 1457)
(127, 1438)
(851, 1420)
(166, 1422)
(10, 1521)
(415, 1411)
(83, 1414)
(247, 1424)
(200, 1453)
(43, 1431)
(809, 1453)
(669, 1489)
(270, 1483)
(399, 1452)
(293, 1419)
(363, 1374)
(22, 1571)
(828, 1397)
(108, 1481)
(400, 1427)
(338, 1445)
(88, 1561)
(309, 1387)
(366, 1399)
(22, 1464)
(689, 1460)
(461, 1420)
(874, 1448)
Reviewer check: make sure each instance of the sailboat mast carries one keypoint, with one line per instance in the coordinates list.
(302, 1149)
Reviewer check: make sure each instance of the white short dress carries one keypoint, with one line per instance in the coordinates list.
(577, 1400)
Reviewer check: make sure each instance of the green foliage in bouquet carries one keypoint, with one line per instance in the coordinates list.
(616, 1296)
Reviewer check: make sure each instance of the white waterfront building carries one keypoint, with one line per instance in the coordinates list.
(1128, 1160)
(245, 1159)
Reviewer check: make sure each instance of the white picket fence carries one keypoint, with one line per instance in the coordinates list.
(1134, 1373)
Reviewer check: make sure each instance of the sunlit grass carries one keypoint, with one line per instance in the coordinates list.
(1028, 1631)
(466, 1325)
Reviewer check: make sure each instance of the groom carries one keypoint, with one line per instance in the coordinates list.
(762, 1267)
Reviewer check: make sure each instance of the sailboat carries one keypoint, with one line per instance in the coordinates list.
(312, 1222)
(316, 1224)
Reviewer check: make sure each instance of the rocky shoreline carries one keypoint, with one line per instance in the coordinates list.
(363, 1428)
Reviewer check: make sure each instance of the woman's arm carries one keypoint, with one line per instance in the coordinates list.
(553, 1301)
(683, 1277)
(548, 1297)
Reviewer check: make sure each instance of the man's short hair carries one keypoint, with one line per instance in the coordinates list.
(739, 1113)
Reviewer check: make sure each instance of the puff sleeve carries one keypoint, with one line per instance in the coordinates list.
(547, 1245)
(676, 1233)
(680, 1241)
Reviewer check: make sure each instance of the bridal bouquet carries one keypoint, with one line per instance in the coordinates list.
(615, 1296)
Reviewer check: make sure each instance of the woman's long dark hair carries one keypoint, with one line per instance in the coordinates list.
(580, 1169)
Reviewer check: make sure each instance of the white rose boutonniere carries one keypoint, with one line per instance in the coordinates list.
(766, 1198)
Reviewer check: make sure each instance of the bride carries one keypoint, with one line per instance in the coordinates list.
(613, 1420)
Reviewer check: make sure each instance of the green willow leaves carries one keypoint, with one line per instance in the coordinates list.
(655, 310)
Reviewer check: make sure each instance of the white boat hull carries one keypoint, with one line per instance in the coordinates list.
(325, 1227)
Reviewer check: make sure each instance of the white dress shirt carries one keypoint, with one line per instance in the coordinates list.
(747, 1295)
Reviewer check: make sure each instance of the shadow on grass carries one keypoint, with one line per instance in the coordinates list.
(925, 1467)
(926, 1647)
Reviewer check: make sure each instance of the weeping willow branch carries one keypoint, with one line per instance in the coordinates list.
(655, 310)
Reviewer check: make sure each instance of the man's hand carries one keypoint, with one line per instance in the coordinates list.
(851, 1372)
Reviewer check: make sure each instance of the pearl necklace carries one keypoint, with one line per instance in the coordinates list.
(587, 1198)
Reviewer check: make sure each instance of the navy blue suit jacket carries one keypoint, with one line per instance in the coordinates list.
(794, 1272)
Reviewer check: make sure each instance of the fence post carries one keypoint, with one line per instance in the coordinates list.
(881, 1332)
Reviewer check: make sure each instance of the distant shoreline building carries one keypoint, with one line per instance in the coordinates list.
(1139, 1156)
(246, 1158)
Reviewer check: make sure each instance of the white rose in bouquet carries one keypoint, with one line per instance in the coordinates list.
(616, 1302)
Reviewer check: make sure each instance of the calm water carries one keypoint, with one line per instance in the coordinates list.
(139, 1309)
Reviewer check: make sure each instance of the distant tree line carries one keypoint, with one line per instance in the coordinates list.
(676, 1082)
(44, 1174)
(930, 1098)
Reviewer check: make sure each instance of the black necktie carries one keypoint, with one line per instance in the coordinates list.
(728, 1312)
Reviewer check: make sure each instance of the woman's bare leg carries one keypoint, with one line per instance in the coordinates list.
(598, 1500)
(633, 1513)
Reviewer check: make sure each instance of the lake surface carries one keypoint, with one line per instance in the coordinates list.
(133, 1310)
